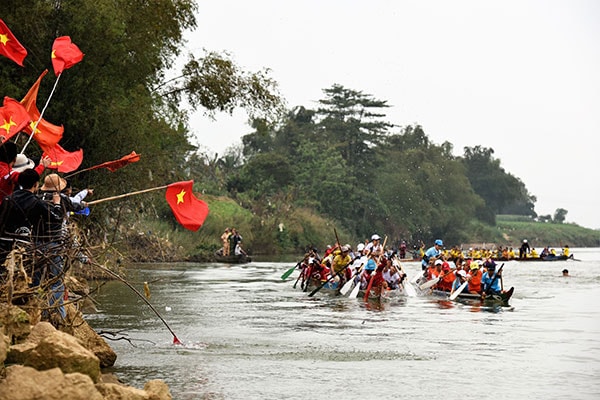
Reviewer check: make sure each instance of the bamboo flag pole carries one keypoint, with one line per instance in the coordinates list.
(41, 114)
(89, 203)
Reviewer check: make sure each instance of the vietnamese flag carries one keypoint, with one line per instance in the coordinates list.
(63, 160)
(188, 210)
(112, 166)
(13, 118)
(46, 134)
(10, 46)
(65, 54)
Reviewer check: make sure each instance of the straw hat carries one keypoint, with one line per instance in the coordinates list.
(22, 163)
(53, 182)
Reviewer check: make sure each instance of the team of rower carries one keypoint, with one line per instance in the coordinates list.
(371, 266)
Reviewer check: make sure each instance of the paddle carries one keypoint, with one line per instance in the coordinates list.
(299, 275)
(368, 291)
(458, 291)
(287, 273)
(311, 294)
(408, 287)
(348, 284)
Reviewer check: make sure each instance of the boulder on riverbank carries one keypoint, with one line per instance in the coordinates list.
(46, 363)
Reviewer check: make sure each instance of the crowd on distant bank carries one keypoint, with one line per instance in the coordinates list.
(524, 251)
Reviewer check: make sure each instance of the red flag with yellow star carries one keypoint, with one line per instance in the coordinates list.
(10, 46)
(13, 118)
(63, 160)
(46, 134)
(65, 54)
(188, 210)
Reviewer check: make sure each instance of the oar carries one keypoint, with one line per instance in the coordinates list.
(429, 283)
(348, 284)
(458, 291)
(287, 273)
(299, 276)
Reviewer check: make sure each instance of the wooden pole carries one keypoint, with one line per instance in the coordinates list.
(125, 195)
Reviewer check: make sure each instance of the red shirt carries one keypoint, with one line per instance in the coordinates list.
(8, 179)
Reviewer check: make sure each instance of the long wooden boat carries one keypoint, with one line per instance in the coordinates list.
(545, 258)
(499, 299)
(331, 288)
(232, 259)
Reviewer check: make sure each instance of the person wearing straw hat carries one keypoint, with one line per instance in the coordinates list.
(8, 174)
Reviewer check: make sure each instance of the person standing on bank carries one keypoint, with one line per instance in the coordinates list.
(25, 216)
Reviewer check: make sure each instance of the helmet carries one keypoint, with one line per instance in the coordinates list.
(439, 242)
(375, 237)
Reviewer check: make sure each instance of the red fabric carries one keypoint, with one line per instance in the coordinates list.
(13, 118)
(10, 46)
(63, 160)
(65, 54)
(46, 134)
(188, 210)
(112, 166)
(8, 179)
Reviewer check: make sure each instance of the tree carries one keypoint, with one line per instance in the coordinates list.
(352, 124)
(560, 215)
(499, 189)
(119, 99)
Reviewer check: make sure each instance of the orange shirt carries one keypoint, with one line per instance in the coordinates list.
(446, 282)
(475, 282)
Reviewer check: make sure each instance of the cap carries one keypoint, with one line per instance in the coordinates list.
(446, 268)
(438, 262)
(345, 249)
(462, 273)
(360, 247)
(474, 265)
(439, 242)
(375, 237)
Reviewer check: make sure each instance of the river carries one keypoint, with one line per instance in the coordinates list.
(247, 334)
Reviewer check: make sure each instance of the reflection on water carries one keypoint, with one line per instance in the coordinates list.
(248, 335)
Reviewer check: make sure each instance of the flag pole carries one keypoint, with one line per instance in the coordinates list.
(89, 203)
(41, 114)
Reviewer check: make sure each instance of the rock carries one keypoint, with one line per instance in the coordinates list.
(15, 322)
(25, 383)
(159, 389)
(4, 343)
(47, 348)
(89, 338)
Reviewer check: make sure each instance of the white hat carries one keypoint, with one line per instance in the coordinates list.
(22, 163)
(438, 262)
(375, 237)
(462, 273)
(360, 246)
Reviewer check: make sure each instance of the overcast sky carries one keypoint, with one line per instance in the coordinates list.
(519, 76)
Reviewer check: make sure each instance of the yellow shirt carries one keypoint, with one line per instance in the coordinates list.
(339, 262)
